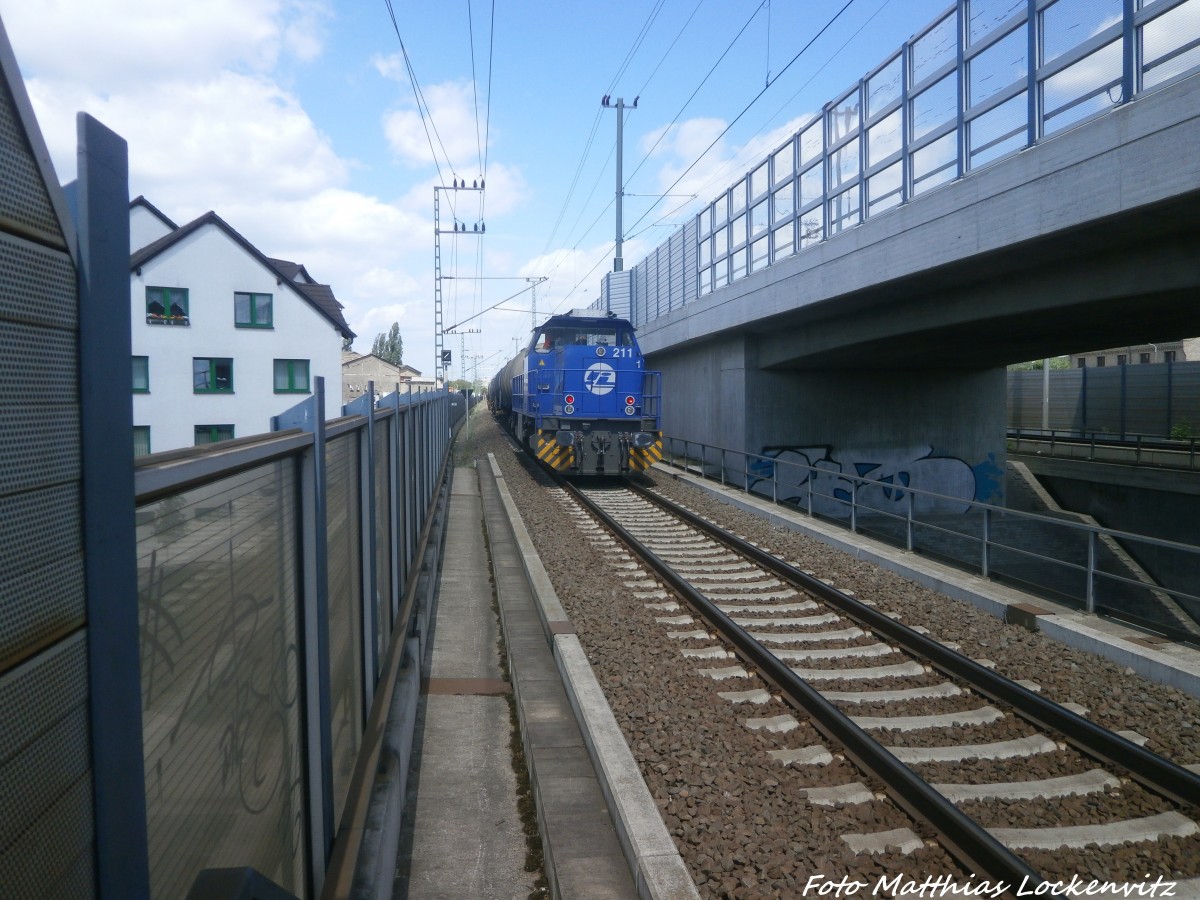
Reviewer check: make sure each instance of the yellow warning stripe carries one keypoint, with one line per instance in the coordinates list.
(642, 458)
(554, 454)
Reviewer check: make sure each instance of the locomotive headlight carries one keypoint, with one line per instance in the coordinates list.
(643, 439)
(629, 410)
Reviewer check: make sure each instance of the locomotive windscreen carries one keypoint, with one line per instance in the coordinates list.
(582, 336)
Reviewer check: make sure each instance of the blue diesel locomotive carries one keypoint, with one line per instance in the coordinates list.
(579, 397)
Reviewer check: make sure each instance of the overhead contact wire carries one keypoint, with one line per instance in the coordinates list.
(753, 100)
(422, 106)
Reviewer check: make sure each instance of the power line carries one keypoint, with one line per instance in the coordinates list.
(723, 173)
(587, 148)
(600, 174)
(692, 97)
(637, 43)
(670, 48)
(753, 100)
(488, 116)
(474, 82)
(422, 106)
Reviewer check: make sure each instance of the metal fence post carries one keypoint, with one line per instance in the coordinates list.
(722, 464)
(109, 543)
(774, 483)
(1090, 596)
(909, 522)
(395, 513)
(987, 534)
(370, 584)
(315, 626)
(812, 473)
(854, 506)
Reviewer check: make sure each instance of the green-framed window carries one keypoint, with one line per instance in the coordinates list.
(141, 440)
(211, 375)
(141, 374)
(167, 306)
(252, 310)
(213, 434)
(291, 376)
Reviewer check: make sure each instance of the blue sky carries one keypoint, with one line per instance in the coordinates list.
(295, 121)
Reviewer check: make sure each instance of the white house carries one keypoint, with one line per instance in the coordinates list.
(224, 337)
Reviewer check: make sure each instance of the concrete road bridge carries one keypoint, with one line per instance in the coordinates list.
(995, 191)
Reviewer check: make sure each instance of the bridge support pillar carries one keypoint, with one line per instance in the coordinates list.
(940, 430)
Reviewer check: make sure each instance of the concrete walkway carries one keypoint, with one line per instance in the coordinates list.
(463, 834)
(599, 830)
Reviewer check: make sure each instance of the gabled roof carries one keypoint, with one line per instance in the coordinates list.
(318, 296)
(141, 201)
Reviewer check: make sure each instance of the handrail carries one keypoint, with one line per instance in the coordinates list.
(715, 462)
(1137, 443)
(158, 475)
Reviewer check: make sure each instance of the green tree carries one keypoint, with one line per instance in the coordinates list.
(390, 346)
(347, 344)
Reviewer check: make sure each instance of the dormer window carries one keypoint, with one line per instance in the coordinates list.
(167, 306)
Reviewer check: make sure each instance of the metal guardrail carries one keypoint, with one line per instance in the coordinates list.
(1130, 449)
(1091, 570)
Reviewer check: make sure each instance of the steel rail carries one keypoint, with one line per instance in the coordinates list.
(1153, 771)
(966, 840)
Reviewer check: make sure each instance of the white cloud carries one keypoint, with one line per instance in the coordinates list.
(199, 144)
(720, 166)
(450, 125)
(123, 44)
(193, 91)
(303, 32)
(391, 67)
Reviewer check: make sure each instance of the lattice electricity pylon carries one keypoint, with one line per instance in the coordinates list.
(439, 357)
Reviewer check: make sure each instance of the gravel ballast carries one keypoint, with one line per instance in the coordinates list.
(734, 812)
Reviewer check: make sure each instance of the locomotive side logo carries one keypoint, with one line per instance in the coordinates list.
(600, 378)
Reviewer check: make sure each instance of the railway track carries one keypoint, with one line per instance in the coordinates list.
(1001, 777)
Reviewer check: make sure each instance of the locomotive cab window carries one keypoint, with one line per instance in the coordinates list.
(550, 339)
(597, 336)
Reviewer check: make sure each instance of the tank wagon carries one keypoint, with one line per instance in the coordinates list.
(579, 397)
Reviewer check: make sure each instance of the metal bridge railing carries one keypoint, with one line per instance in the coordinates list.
(983, 81)
(1078, 564)
(1130, 449)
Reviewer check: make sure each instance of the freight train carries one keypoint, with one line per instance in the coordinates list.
(579, 397)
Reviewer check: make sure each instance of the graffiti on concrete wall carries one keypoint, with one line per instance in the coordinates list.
(884, 481)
